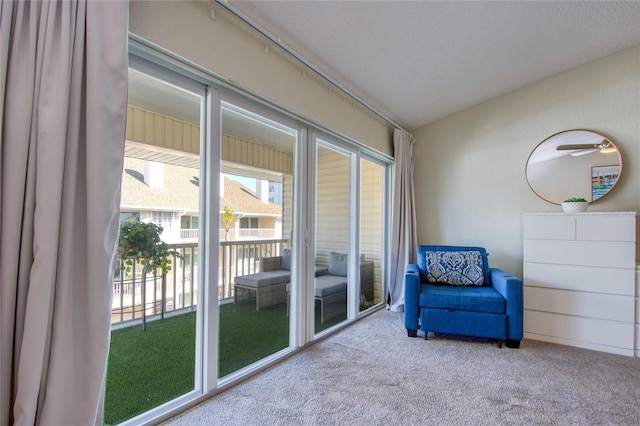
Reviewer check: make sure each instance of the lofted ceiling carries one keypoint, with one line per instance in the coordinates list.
(419, 61)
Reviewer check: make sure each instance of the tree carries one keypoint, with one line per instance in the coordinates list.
(228, 216)
(140, 242)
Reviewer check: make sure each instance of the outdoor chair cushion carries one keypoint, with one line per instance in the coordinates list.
(263, 279)
(329, 284)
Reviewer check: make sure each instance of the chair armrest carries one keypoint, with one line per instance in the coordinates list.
(270, 263)
(511, 289)
(411, 297)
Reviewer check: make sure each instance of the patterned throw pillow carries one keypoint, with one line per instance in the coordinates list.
(455, 267)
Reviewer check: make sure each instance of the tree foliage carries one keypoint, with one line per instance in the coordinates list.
(140, 242)
(227, 217)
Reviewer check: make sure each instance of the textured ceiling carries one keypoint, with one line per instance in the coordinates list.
(420, 61)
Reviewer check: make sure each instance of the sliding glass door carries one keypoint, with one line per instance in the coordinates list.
(350, 238)
(257, 267)
(274, 233)
(152, 357)
(373, 214)
(333, 205)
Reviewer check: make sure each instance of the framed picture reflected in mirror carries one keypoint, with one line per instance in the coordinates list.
(602, 180)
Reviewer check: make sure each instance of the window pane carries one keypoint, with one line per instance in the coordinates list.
(371, 232)
(253, 307)
(152, 354)
(332, 237)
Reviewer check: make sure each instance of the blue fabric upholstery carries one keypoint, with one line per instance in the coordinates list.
(493, 310)
(457, 298)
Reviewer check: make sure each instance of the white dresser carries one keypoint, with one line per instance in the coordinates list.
(580, 280)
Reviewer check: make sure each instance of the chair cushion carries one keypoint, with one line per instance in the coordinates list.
(329, 284)
(422, 259)
(457, 298)
(338, 264)
(264, 279)
(455, 267)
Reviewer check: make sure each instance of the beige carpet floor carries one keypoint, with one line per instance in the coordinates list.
(373, 374)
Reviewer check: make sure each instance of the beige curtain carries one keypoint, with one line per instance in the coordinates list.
(64, 87)
(403, 226)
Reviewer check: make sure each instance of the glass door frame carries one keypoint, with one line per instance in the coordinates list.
(139, 63)
(164, 65)
(319, 138)
(258, 111)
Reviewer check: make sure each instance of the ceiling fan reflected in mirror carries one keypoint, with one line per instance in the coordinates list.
(586, 148)
(558, 167)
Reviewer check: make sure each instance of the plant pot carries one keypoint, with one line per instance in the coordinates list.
(575, 206)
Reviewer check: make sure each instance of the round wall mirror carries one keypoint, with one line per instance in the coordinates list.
(574, 163)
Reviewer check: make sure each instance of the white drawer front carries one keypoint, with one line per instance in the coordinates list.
(594, 305)
(586, 253)
(580, 278)
(590, 330)
(550, 227)
(606, 228)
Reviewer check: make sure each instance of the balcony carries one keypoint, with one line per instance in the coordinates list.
(178, 290)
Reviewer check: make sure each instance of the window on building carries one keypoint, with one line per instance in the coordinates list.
(163, 219)
(126, 215)
(249, 223)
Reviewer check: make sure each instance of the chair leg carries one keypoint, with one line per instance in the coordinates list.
(500, 343)
(412, 333)
(513, 344)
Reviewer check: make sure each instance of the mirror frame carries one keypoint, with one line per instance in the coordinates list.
(605, 140)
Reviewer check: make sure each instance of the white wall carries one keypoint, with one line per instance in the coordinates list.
(470, 167)
(235, 51)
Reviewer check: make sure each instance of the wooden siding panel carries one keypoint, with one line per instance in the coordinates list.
(130, 121)
(287, 207)
(149, 127)
(371, 206)
(169, 133)
(177, 135)
(195, 140)
(138, 125)
(253, 154)
(155, 129)
(332, 204)
(186, 138)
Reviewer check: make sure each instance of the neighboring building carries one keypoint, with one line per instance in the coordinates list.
(275, 193)
(168, 195)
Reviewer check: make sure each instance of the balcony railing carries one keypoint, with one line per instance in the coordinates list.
(249, 233)
(189, 234)
(178, 289)
(234, 234)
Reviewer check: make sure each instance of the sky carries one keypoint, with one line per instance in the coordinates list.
(246, 181)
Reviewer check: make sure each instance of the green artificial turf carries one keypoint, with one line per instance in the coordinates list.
(149, 368)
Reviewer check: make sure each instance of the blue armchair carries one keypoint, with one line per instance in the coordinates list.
(453, 290)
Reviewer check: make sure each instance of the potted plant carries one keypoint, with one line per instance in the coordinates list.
(139, 242)
(575, 205)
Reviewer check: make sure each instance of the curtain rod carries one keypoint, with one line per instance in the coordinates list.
(235, 12)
